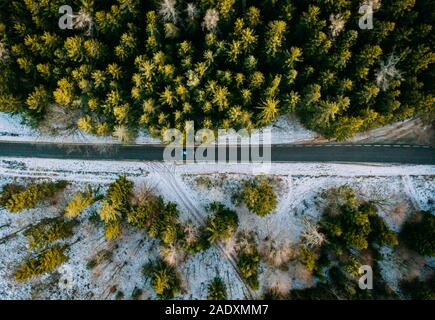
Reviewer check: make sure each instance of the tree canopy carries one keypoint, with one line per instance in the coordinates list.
(128, 65)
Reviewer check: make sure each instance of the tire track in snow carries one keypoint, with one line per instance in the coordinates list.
(179, 188)
(411, 192)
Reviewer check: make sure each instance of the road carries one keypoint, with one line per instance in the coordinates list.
(406, 154)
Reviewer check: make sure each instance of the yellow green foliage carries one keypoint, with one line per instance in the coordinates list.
(45, 262)
(79, 202)
(258, 196)
(48, 231)
(164, 279)
(308, 258)
(33, 194)
(112, 230)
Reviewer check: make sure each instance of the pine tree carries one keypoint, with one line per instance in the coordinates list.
(248, 265)
(164, 279)
(75, 49)
(275, 36)
(270, 111)
(112, 230)
(222, 224)
(38, 99)
(48, 231)
(85, 124)
(217, 289)
(258, 196)
(101, 71)
(33, 194)
(46, 262)
(419, 235)
(79, 202)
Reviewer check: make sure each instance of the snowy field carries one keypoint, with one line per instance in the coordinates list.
(401, 189)
(284, 130)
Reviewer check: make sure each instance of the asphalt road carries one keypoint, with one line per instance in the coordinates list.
(375, 153)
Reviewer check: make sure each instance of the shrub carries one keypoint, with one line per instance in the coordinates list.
(319, 292)
(91, 264)
(135, 295)
(100, 256)
(217, 290)
(419, 234)
(119, 295)
(274, 294)
(205, 182)
(258, 196)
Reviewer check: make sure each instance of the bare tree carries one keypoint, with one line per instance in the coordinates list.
(123, 134)
(142, 193)
(60, 119)
(388, 72)
(276, 254)
(192, 11)
(374, 4)
(172, 254)
(337, 24)
(311, 234)
(211, 20)
(191, 233)
(168, 11)
(83, 21)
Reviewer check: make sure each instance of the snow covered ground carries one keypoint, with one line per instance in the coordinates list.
(400, 189)
(13, 129)
(285, 129)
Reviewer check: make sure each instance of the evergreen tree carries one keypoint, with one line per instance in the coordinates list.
(248, 265)
(164, 279)
(102, 72)
(419, 234)
(217, 289)
(79, 202)
(32, 195)
(222, 224)
(258, 196)
(45, 262)
(47, 231)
